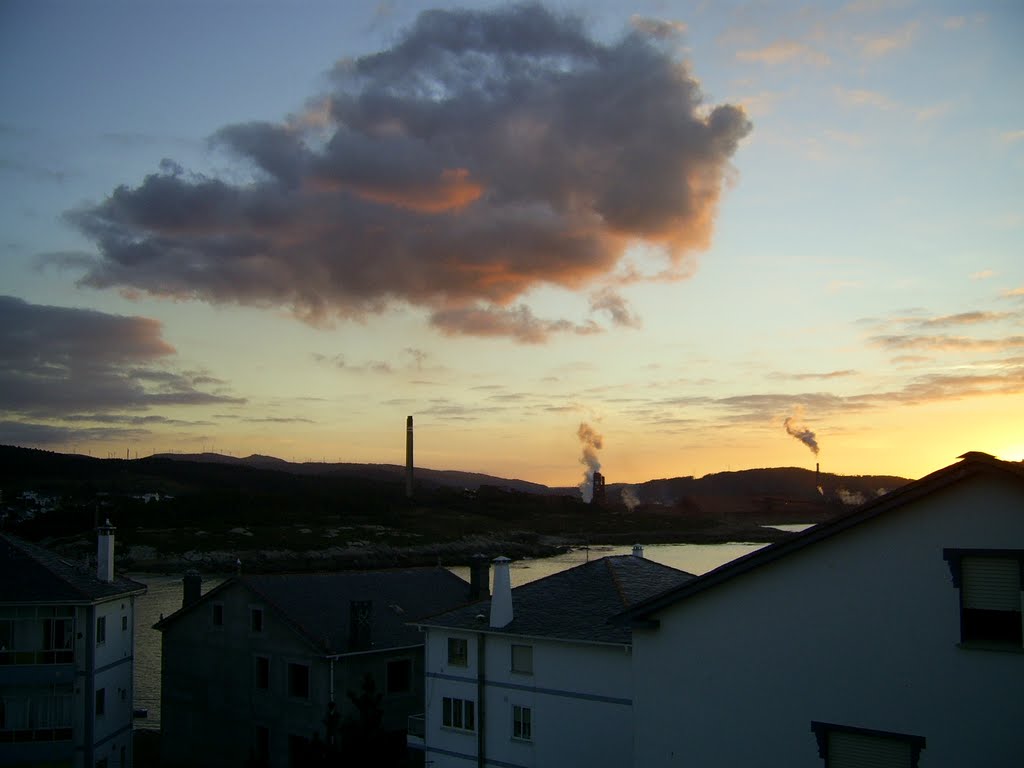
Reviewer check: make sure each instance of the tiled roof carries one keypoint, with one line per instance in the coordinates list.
(973, 463)
(317, 605)
(574, 604)
(31, 574)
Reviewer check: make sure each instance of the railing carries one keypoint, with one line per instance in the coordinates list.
(17, 735)
(417, 726)
(37, 657)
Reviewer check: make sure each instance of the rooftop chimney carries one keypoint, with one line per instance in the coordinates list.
(408, 457)
(360, 619)
(193, 587)
(479, 577)
(501, 600)
(638, 551)
(105, 552)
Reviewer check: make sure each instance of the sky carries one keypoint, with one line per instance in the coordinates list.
(663, 238)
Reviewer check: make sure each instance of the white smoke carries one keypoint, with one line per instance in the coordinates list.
(850, 498)
(592, 443)
(629, 498)
(795, 427)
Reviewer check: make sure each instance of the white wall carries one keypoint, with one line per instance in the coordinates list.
(114, 663)
(579, 695)
(861, 629)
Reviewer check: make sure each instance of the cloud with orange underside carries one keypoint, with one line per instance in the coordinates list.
(485, 155)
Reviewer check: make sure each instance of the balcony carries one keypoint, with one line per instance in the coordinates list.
(415, 735)
(41, 656)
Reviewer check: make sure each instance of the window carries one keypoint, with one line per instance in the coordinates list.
(990, 586)
(522, 659)
(843, 746)
(101, 702)
(218, 614)
(57, 641)
(298, 751)
(458, 651)
(256, 619)
(262, 673)
(298, 681)
(124, 623)
(522, 727)
(262, 745)
(458, 713)
(101, 630)
(399, 676)
(36, 713)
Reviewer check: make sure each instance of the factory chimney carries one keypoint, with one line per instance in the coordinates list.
(597, 498)
(408, 458)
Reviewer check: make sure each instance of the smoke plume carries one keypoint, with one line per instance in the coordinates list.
(629, 498)
(794, 426)
(592, 443)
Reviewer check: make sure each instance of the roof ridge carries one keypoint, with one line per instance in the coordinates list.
(615, 581)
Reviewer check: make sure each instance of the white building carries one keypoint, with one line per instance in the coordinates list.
(67, 638)
(892, 634)
(537, 676)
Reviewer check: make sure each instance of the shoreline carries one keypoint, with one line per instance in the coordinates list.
(516, 546)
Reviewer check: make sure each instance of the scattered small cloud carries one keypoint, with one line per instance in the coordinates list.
(607, 300)
(948, 343)
(934, 111)
(784, 52)
(813, 376)
(838, 286)
(876, 46)
(963, 318)
(1011, 137)
(859, 97)
(983, 274)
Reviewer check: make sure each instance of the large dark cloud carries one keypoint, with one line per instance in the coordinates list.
(485, 154)
(58, 362)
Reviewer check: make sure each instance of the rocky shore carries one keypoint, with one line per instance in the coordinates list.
(368, 555)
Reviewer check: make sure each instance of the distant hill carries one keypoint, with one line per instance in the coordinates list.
(207, 510)
(383, 472)
(176, 472)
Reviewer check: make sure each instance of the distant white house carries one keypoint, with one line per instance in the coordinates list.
(889, 637)
(537, 676)
(67, 638)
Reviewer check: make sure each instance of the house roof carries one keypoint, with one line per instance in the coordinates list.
(32, 574)
(317, 605)
(971, 464)
(574, 604)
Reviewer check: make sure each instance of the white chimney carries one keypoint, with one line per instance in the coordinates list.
(105, 552)
(638, 551)
(501, 595)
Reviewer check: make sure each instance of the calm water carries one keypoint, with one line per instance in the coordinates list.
(164, 597)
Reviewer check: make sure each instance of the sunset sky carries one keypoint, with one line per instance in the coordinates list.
(282, 227)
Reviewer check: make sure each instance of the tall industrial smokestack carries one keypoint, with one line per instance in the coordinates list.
(408, 457)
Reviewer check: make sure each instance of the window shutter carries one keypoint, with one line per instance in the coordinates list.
(991, 583)
(856, 750)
